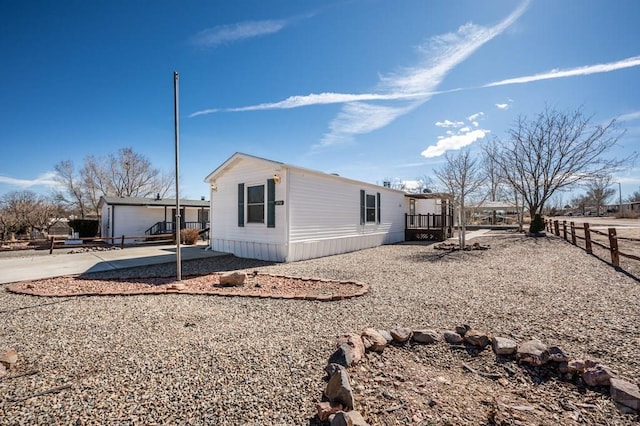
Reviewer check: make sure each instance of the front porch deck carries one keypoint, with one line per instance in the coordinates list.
(428, 227)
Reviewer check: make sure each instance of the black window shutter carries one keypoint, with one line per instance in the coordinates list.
(271, 203)
(362, 207)
(241, 204)
(378, 207)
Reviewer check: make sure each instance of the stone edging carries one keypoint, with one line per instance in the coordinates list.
(180, 288)
(337, 406)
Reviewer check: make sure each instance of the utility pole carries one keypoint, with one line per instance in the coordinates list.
(177, 141)
(620, 193)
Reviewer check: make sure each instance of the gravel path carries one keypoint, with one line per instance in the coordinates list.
(184, 359)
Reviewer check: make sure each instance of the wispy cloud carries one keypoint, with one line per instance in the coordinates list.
(630, 116)
(449, 123)
(212, 37)
(572, 72)
(407, 89)
(322, 99)
(502, 106)
(440, 55)
(45, 179)
(476, 116)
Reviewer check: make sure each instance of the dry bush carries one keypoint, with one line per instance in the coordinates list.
(626, 214)
(189, 236)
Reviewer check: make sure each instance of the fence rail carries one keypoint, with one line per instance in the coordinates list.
(120, 241)
(569, 234)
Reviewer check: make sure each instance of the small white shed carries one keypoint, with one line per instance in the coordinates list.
(268, 210)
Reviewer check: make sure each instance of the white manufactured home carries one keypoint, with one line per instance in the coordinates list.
(140, 217)
(268, 210)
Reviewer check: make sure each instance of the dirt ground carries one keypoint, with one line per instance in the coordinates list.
(627, 231)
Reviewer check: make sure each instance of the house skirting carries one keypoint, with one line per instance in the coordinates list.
(304, 250)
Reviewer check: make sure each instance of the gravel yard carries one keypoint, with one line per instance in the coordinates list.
(192, 359)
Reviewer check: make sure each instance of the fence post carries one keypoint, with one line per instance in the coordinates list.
(564, 230)
(573, 232)
(122, 242)
(556, 225)
(587, 238)
(52, 244)
(613, 243)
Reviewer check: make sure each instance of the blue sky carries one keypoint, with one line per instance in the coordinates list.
(369, 89)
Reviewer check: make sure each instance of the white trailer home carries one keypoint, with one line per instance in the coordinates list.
(134, 216)
(268, 210)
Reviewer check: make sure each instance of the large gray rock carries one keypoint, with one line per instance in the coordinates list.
(426, 337)
(556, 354)
(625, 393)
(9, 357)
(373, 340)
(386, 335)
(572, 366)
(533, 352)
(477, 338)
(232, 279)
(355, 342)
(400, 334)
(596, 374)
(339, 390)
(452, 337)
(462, 329)
(503, 346)
(348, 418)
(344, 355)
(325, 409)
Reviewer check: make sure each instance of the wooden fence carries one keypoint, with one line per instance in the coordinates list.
(104, 241)
(568, 231)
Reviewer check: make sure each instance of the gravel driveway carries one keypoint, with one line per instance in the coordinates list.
(180, 359)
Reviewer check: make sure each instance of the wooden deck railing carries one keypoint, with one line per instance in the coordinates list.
(568, 231)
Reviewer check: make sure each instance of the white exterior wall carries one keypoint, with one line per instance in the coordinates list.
(254, 240)
(320, 215)
(427, 206)
(132, 221)
(324, 216)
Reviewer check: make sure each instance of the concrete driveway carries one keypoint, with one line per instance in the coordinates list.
(38, 266)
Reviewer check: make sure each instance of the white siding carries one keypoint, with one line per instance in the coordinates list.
(132, 221)
(253, 240)
(320, 215)
(325, 216)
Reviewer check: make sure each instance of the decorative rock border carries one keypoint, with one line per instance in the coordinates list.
(337, 406)
(230, 284)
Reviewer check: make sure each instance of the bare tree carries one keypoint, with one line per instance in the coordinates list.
(73, 194)
(599, 191)
(553, 151)
(25, 211)
(425, 183)
(634, 197)
(494, 182)
(462, 177)
(127, 174)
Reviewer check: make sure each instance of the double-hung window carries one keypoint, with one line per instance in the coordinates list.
(255, 204)
(369, 208)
